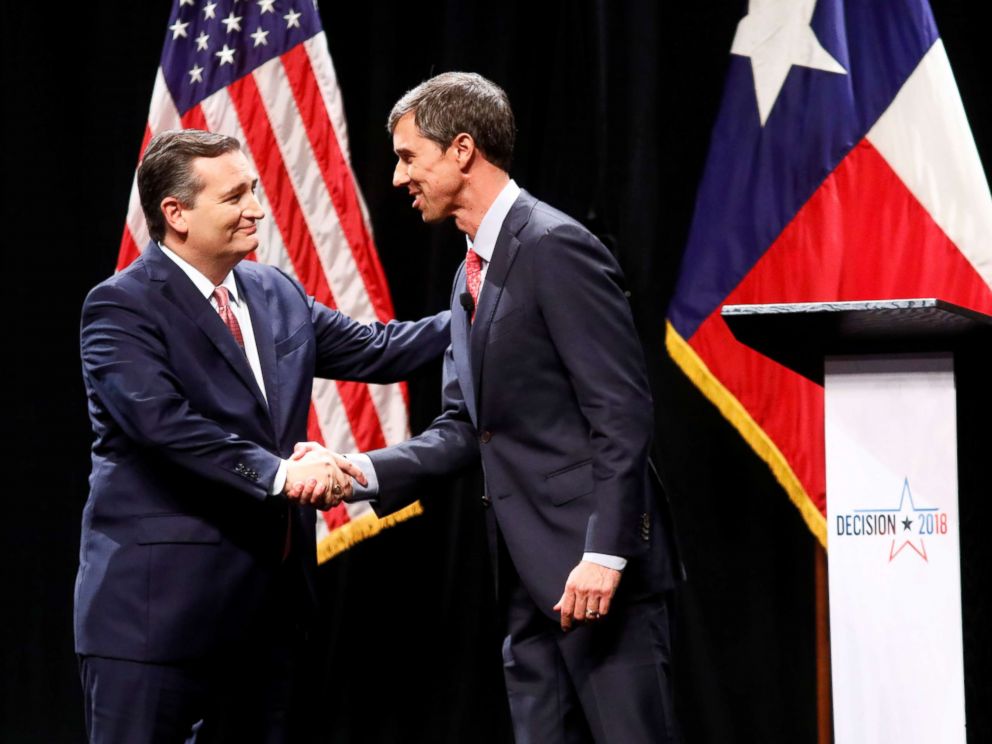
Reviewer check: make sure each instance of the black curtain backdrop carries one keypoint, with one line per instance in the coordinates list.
(615, 102)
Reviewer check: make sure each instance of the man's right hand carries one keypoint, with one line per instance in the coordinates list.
(320, 478)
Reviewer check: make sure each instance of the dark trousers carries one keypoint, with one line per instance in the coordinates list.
(242, 694)
(607, 682)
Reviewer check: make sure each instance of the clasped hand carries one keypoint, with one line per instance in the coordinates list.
(320, 478)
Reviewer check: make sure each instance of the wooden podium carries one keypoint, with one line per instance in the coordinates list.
(907, 415)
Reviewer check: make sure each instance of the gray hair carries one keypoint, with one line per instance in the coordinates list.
(167, 170)
(455, 102)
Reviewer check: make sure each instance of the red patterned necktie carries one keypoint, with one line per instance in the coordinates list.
(473, 277)
(223, 300)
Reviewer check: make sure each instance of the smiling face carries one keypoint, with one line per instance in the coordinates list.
(431, 175)
(220, 225)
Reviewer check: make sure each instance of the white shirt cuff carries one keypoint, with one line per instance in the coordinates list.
(364, 463)
(610, 561)
(279, 484)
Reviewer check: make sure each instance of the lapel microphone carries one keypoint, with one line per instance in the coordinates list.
(468, 304)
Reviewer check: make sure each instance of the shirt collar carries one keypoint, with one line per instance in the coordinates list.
(203, 285)
(492, 222)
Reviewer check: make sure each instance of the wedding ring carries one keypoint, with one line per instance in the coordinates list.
(592, 614)
(337, 490)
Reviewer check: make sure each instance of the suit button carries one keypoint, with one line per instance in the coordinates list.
(485, 436)
(486, 502)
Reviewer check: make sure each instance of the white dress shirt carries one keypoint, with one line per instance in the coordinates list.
(240, 309)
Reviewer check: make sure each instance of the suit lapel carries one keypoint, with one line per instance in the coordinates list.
(492, 290)
(261, 324)
(459, 345)
(178, 288)
(504, 254)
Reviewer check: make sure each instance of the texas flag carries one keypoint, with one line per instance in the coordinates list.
(841, 167)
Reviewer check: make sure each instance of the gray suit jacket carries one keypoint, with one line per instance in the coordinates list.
(549, 387)
(180, 538)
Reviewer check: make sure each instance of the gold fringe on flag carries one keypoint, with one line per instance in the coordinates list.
(365, 526)
(732, 409)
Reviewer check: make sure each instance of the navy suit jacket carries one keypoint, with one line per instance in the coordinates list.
(549, 385)
(180, 538)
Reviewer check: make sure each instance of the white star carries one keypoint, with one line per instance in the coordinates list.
(232, 22)
(776, 35)
(201, 41)
(209, 10)
(178, 29)
(185, 2)
(292, 19)
(196, 75)
(266, 6)
(226, 56)
(260, 37)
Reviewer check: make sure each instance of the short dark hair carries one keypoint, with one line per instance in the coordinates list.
(455, 102)
(167, 170)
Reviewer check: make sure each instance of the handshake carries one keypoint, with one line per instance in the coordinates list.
(317, 477)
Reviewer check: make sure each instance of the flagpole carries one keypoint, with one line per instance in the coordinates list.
(824, 714)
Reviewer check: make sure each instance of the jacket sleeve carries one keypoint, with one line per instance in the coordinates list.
(126, 366)
(375, 352)
(449, 444)
(579, 286)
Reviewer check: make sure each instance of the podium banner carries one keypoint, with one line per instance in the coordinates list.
(893, 549)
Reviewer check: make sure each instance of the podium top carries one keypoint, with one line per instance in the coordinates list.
(800, 335)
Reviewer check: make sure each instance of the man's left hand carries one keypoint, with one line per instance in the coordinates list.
(588, 592)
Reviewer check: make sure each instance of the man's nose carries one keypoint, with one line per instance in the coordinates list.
(400, 175)
(254, 209)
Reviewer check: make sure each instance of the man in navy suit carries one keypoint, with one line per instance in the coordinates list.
(196, 559)
(546, 380)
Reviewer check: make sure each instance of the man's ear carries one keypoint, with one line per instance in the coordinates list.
(464, 148)
(172, 210)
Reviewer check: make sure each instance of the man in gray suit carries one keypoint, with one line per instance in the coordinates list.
(546, 381)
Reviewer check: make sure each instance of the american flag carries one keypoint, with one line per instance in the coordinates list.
(260, 71)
